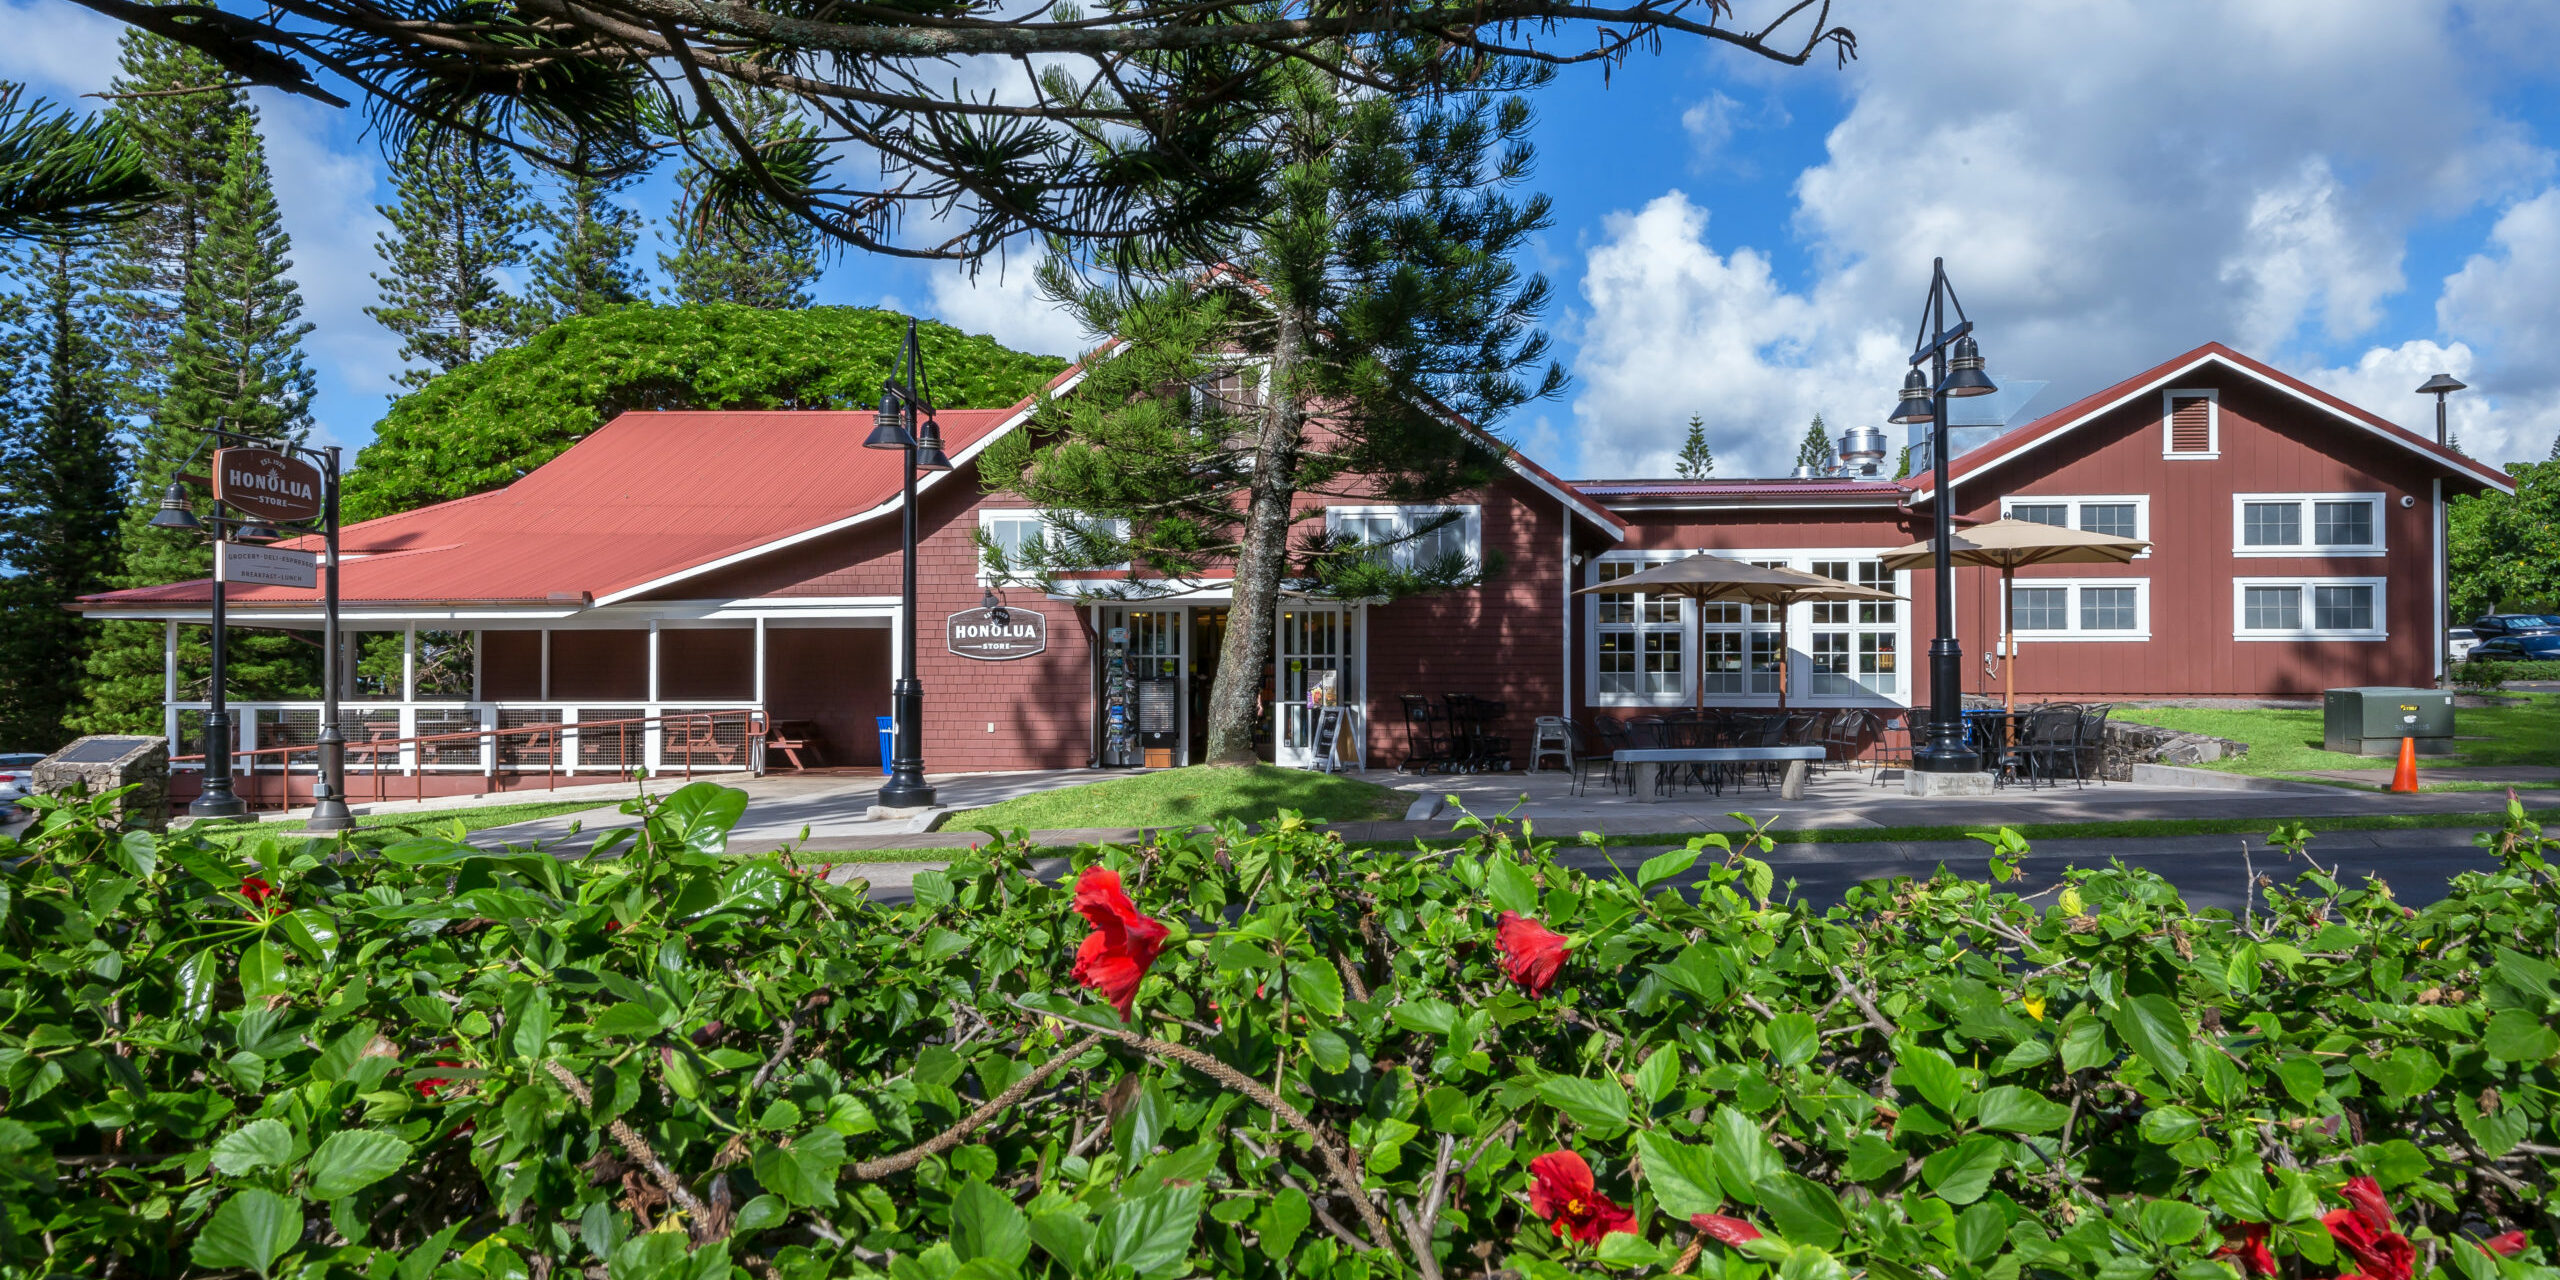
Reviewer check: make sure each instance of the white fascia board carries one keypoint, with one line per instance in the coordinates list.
(2491, 477)
(1021, 414)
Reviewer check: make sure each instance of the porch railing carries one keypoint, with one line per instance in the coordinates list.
(397, 748)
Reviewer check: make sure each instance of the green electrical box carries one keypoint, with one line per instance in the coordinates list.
(2371, 722)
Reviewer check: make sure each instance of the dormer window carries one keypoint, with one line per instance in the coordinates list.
(1235, 391)
(2191, 424)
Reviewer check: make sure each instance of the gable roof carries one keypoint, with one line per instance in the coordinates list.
(2071, 417)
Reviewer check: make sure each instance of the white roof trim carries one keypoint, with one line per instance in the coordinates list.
(2489, 476)
(1021, 414)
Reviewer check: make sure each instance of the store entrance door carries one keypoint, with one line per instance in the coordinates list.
(1316, 672)
(1208, 644)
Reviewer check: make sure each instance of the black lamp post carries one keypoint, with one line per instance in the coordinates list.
(2440, 386)
(906, 423)
(1955, 369)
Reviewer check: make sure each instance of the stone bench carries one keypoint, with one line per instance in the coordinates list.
(1650, 761)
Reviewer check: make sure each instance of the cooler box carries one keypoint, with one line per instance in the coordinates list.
(2371, 722)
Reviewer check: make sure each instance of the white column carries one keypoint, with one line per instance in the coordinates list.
(1566, 693)
(476, 638)
(653, 662)
(409, 662)
(2438, 625)
(169, 683)
(759, 662)
(651, 742)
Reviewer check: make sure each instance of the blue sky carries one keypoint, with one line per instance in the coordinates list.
(2360, 191)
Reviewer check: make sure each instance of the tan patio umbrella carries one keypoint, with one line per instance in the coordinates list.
(1706, 578)
(2010, 545)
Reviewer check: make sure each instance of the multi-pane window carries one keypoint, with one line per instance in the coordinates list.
(1640, 647)
(1414, 538)
(2117, 515)
(1014, 535)
(2307, 524)
(2082, 609)
(1854, 641)
(2308, 608)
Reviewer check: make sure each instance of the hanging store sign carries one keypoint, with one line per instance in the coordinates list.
(265, 566)
(267, 483)
(996, 635)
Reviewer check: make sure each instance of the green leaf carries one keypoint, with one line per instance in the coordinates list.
(1431, 1017)
(1152, 1233)
(1066, 1234)
(1659, 1074)
(528, 1018)
(251, 1231)
(1331, 1052)
(259, 1144)
(1962, 1173)
(1663, 866)
(806, 1180)
(1794, 1038)
(352, 1159)
(1930, 1073)
(985, 1224)
(2170, 1222)
(1318, 987)
(2084, 1044)
(2515, 1035)
(699, 816)
(2154, 1028)
(1757, 878)
(1508, 885)
(1600, 1106)
(1804, 1211)
(1741, 1154)
(1683, 1177)
(1281, 1221)
(1627, 1249)
(2020, 1111)
(311, 933)
(2240, 1191)
(761, 1213)
(629, 1020)
(2170, 1125)
(262, 970)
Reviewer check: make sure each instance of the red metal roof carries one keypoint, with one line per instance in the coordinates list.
(646, 496)
(1833, 489)
(2002, 447)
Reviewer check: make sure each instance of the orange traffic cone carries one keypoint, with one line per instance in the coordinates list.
(2405, 778)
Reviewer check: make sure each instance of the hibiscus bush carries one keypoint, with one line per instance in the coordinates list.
(1255, 1056)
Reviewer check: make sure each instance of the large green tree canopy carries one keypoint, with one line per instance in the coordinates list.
(484, 424)
(2506, 551)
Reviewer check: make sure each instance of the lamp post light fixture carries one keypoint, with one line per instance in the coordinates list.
(2440, 386)
(1955, 370)
(906, 424)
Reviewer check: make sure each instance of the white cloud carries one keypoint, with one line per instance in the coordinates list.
(61, 50)
(327, 196)
(2502, 297)
(1004, 302)
(2110, 182)
(1710, 122)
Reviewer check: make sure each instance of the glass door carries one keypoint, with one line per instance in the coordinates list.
(1314, 659)
(1143, 687)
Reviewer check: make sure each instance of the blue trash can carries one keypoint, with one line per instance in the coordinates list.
(888, 740)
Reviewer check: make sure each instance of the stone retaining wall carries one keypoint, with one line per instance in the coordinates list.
(2128, 744)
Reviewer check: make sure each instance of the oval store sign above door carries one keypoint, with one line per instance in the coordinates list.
(266, 483)
(996, 635)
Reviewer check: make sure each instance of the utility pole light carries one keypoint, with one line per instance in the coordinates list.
(906, 424)
(2440, 386)
(1955, 369)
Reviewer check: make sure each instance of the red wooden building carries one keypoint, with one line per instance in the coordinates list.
(738, 561)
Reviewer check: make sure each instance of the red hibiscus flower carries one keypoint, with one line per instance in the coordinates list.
(2505, 1245)
(2365, 1229)
(1561, 1192)
(427, 1088)
(2247, 1243)
(1531, 952)
(1724, 1230)
(257, 891)
(1124, 941)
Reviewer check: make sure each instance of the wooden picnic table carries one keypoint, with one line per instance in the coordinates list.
(1647, 778)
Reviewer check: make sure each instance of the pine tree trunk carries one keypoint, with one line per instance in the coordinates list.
(1262, 558)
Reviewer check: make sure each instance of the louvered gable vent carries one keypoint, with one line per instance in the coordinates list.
(2191, 424)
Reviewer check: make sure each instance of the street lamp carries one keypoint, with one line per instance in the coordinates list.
(2440, 386)
(905, 424)
(1955, 369)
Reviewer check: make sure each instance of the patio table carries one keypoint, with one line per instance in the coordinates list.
(1647, 777)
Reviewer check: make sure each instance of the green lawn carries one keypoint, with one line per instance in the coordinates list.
(2287, 741)
(432, 820)
(1184, 797)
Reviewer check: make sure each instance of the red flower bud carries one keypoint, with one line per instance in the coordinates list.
(2505, 1244)
(1724, 1230)
(257, 891)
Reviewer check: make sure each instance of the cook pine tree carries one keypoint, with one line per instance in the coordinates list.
(1815, 450)
(583, 266)
(727, 251)
(1696, 461)
(1354, 342)
(61, 485)
(458, 222)
(236, 360)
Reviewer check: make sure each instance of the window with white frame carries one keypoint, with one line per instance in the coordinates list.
(1640, 643)
(2306, 524)
(1414, 538)
(2116, 515)
(1739, 644)
(1016, 532)
(2082, 609)
(2191, 424)
(1856, 643)
(1235, 390)
(2308, 609)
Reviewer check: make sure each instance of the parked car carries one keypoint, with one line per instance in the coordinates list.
(17, 772)
(2515, 624)
(2544, 647)
(2458, 642)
